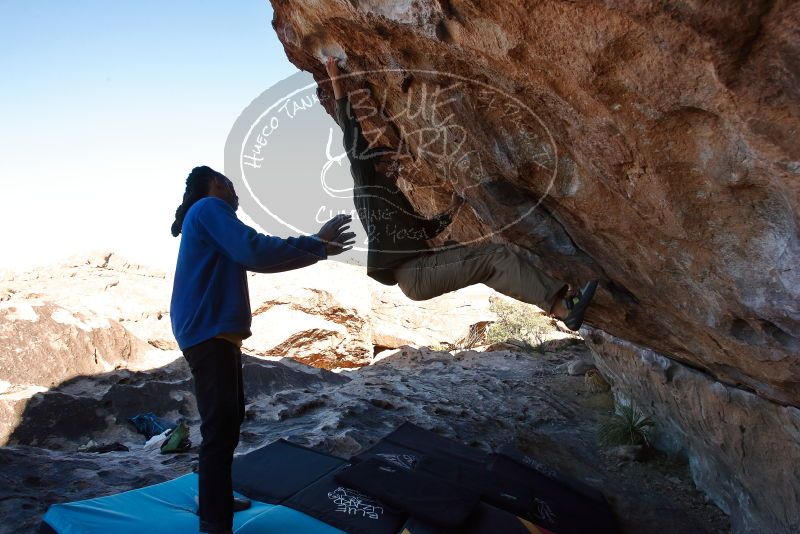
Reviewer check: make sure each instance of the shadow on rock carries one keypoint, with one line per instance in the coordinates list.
(97, 407)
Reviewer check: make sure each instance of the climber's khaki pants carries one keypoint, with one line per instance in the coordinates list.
(505, 268)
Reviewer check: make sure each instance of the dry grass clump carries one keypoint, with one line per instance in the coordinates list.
(594, 381)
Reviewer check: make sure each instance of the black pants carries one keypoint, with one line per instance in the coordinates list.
(217, 369)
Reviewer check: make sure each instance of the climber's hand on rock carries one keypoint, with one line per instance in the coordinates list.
(335, 235)
(332, 67)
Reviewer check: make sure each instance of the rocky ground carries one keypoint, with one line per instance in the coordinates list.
(484, 399)
(98, 312)
(97, 328)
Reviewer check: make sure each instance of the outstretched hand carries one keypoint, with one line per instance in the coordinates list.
(335, 235)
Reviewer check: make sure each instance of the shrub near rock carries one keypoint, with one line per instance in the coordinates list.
(520, 322)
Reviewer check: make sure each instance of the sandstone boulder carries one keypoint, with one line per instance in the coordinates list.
(669, 156)
(44, 344)
(106, 285)
(744, 451)
(328, 315)
(651, 145)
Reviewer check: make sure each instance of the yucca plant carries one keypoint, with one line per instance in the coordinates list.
(627, 427)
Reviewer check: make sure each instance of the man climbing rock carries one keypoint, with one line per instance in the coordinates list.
(210, 313)
(398, 249)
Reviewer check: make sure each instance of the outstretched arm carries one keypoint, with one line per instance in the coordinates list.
(334, 74)
(218, 225)
(354, 141)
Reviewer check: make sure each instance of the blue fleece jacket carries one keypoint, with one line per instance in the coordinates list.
(210, 294)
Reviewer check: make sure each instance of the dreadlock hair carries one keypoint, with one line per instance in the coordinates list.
(197, 186)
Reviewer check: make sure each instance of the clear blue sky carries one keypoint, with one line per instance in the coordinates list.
(106, 106)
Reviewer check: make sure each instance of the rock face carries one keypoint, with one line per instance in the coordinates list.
(328, 315)
(99, 406)
(112, 314)
(105, 285)
(678, 155)
(657, 142)
(43, 344)
(332, 315)
(743, 450)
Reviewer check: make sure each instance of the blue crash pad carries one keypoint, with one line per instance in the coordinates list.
(168, 508)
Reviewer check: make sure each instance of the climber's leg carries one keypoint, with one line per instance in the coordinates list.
(504, 268)
(514, 274)
(577, 304)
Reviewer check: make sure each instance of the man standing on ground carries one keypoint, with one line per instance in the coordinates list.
(210, 313)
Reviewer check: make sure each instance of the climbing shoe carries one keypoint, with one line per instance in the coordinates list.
(577, 304)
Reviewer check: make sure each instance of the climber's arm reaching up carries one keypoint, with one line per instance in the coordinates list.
(354, 142)
(334, 74)
(376, 172)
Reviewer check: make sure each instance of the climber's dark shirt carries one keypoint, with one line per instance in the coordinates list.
(395, 231)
